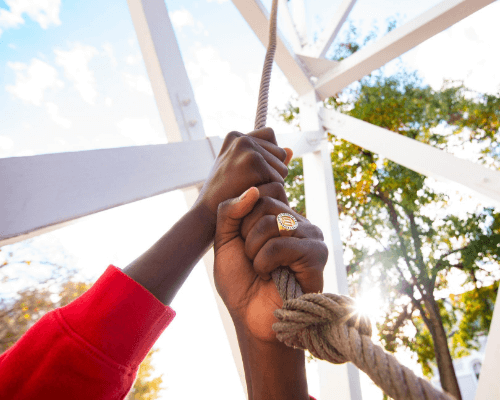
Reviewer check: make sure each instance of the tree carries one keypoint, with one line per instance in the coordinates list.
(404, 235)
(145, 388)
(32, 303)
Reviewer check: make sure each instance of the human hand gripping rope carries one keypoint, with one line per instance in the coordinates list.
(328, 325)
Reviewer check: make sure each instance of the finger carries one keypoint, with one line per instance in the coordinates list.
(274, 190)
(257, 160)
(266, 134)
(266, 228)
(277, 151)
(305, 257)
(272, 159)
(228, 140)
(230, 213)
(289, 155)
(267, 206)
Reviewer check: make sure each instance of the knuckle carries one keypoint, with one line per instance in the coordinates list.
(273, 248)
(278, 191)
(255, 159)
(232, 136)
(282, 153)
(264, 225)
(318, 233)
(268, 203)
(322, 253)
(271, 133)
(243, 142)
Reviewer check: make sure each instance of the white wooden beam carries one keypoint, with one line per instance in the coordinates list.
(331, 30)
(302, 142)
(299, 18)
(316, 66)
(321, 207)
(41, 193)
(395, 43)
(289, 26)
(257, 17)
(489, 384)
(414, 155)
(167, 74)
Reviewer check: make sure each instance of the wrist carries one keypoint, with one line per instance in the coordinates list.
(272, 369)
(203, 212)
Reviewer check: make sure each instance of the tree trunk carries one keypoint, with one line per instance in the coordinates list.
(444, 361)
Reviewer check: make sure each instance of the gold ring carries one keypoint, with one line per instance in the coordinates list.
(286, 223)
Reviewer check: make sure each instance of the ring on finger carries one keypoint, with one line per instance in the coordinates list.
(287, 223)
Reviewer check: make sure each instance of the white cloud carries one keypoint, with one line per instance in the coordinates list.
(108, 102)
(138, 82)
(181, 18)
(133, 59)
(6, 143)
(33, 80)
(45, 12)
(140, 131)
(53, 111)
(12, 46)
(108, 51)
(76, 68)
(228, 99)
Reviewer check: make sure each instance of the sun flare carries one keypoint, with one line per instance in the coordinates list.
(369, 303)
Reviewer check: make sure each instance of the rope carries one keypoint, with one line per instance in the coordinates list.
(327, 324)
(261, 117)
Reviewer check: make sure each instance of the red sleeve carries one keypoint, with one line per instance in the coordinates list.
(89, 349)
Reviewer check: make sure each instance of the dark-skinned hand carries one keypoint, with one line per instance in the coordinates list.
(248, 247)
(244, 161)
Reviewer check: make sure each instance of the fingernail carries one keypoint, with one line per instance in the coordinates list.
(289, 155)
(244, 194)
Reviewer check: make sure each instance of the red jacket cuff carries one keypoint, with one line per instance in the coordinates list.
(119, 317)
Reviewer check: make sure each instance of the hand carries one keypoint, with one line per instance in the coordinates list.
(244, 161)
(246, 252)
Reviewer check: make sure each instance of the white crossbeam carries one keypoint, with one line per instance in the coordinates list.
(257, 17)
(289, 26)
(414, 155)
(331, 30)
(316, 66)
(169, 80)
(302, 142)
(299, 18)
(396, 43)
(46, 191)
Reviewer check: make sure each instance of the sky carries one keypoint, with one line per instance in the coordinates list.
(72, 78)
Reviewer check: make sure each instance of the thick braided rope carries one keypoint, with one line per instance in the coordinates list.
(327, 324)
(261, 117)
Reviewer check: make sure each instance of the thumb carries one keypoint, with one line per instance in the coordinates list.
(232, 211)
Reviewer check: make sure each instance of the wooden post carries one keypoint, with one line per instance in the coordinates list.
(339, 382)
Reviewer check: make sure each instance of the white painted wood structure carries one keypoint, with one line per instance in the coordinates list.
(42, 193)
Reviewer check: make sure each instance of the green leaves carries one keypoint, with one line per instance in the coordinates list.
(403, 235)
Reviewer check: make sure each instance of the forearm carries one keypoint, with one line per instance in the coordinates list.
(166, 265)
(273, 371)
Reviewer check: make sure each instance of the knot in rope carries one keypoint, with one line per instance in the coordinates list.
(318, 322)
(328, 326)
